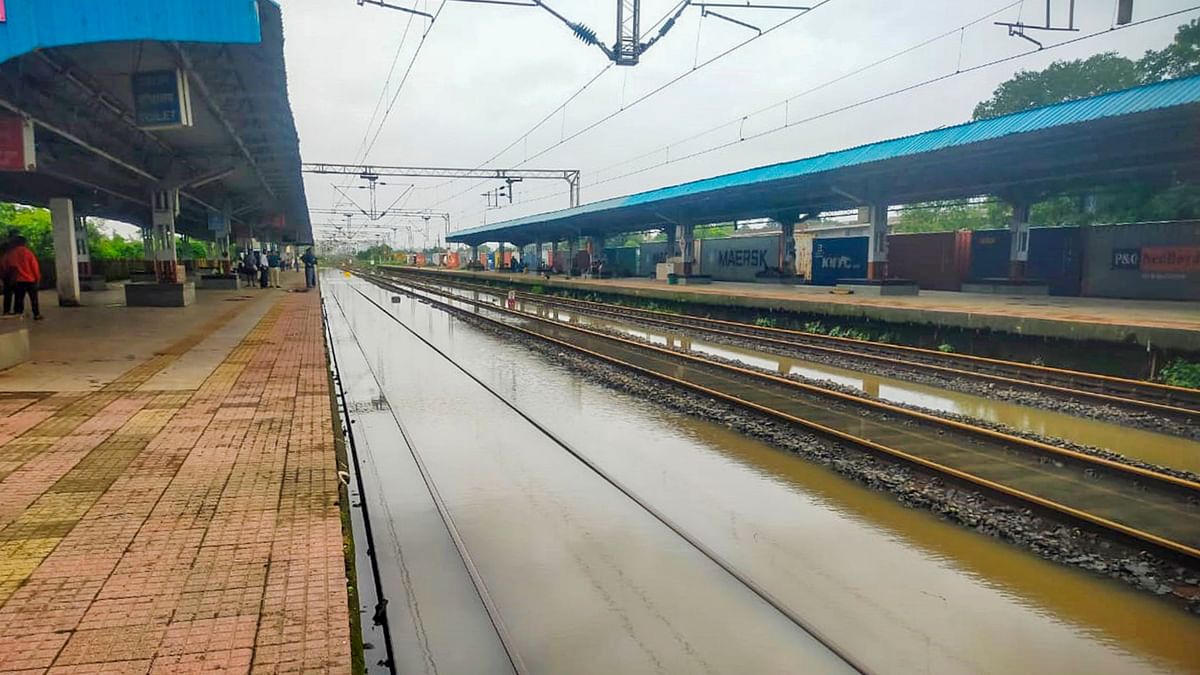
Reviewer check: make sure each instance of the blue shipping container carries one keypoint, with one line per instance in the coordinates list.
(989, 254)
(1056, 257)
(838, 258)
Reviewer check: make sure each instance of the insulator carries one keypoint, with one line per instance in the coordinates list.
(584, 33)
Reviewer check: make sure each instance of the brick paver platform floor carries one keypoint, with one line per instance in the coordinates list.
(178, 530)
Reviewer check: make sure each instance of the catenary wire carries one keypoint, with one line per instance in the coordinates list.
(877, 98)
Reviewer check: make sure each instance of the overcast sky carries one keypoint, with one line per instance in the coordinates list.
(486, 74)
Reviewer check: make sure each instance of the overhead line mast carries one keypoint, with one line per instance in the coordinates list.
(629, 44)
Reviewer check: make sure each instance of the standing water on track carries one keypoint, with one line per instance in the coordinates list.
(897, 587)
(1162, 449)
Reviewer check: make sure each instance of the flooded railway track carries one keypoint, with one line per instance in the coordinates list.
(1136, 395)
(516, 417)
(1151, 509)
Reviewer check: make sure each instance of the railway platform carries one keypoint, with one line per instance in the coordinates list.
(1166, 324)
(169, 490)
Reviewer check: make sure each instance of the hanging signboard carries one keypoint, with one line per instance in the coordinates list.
(161, 99)
(3, 13)
(217, 224)
(17, 151)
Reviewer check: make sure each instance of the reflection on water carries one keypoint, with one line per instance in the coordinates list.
(1162, 449)
(900, 588)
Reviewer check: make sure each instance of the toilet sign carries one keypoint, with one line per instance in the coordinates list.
(161, 99)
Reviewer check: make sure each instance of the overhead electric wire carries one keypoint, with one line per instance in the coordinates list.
(403, 80)
(811, 90)
(877, 98)
(553, 112)
(653, 92)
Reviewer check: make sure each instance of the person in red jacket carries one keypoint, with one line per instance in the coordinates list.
(22, 267)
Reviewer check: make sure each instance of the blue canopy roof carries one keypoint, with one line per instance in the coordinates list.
(1008, 128)
(38, 24)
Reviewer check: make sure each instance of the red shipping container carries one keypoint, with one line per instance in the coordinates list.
(935, 260)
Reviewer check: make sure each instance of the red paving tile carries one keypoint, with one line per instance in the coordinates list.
(178, 531)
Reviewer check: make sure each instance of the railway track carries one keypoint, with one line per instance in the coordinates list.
(1152, 397)
(1151, 509)
(493, 610)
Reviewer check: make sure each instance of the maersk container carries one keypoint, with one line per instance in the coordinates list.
(739, 258)
(838, 258)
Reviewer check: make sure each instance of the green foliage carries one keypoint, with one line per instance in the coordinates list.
(1065, 81)
(1181, 58)
(1061, 81)
(112, 247)
(1181, 373)
(945, 216)
(33, 224)
(718, 231)
(537, 289)
(946, 348)
(765, 322)
(377, 253)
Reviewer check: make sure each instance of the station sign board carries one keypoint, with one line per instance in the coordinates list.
(17, 150)
(161, 99)
(217, 223)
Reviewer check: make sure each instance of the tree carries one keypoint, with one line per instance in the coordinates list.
(942, 216)
(1062, 81)
(1181, 58)
(33, 224)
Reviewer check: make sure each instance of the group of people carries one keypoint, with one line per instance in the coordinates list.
(21, 275)
(265, 267)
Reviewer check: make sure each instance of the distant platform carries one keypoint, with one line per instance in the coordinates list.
(1166, 324)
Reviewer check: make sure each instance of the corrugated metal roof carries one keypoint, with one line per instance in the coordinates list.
(1114, 104)
(38, 24)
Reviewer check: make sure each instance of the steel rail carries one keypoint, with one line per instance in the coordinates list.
(760, 591)
(489, 605)
(1153, 393)
(1161, 543)
(343, 406)
(885, 407)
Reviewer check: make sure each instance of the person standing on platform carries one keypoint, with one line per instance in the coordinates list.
(248, 269)
(10, 289)
(310, 268)
(25, 273)
(275, 264)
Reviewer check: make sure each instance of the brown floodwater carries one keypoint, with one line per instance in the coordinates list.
(897, 587)
(1161, 449)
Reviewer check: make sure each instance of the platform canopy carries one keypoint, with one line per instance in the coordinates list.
(1149, 133)
(70, 66)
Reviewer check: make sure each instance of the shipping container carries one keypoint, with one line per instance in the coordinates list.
(934, 260)
(621, 262)
(990, 251)
(1056, 257)
(838, 258)
(1143, 260)
(804, 250)
(739, 258)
